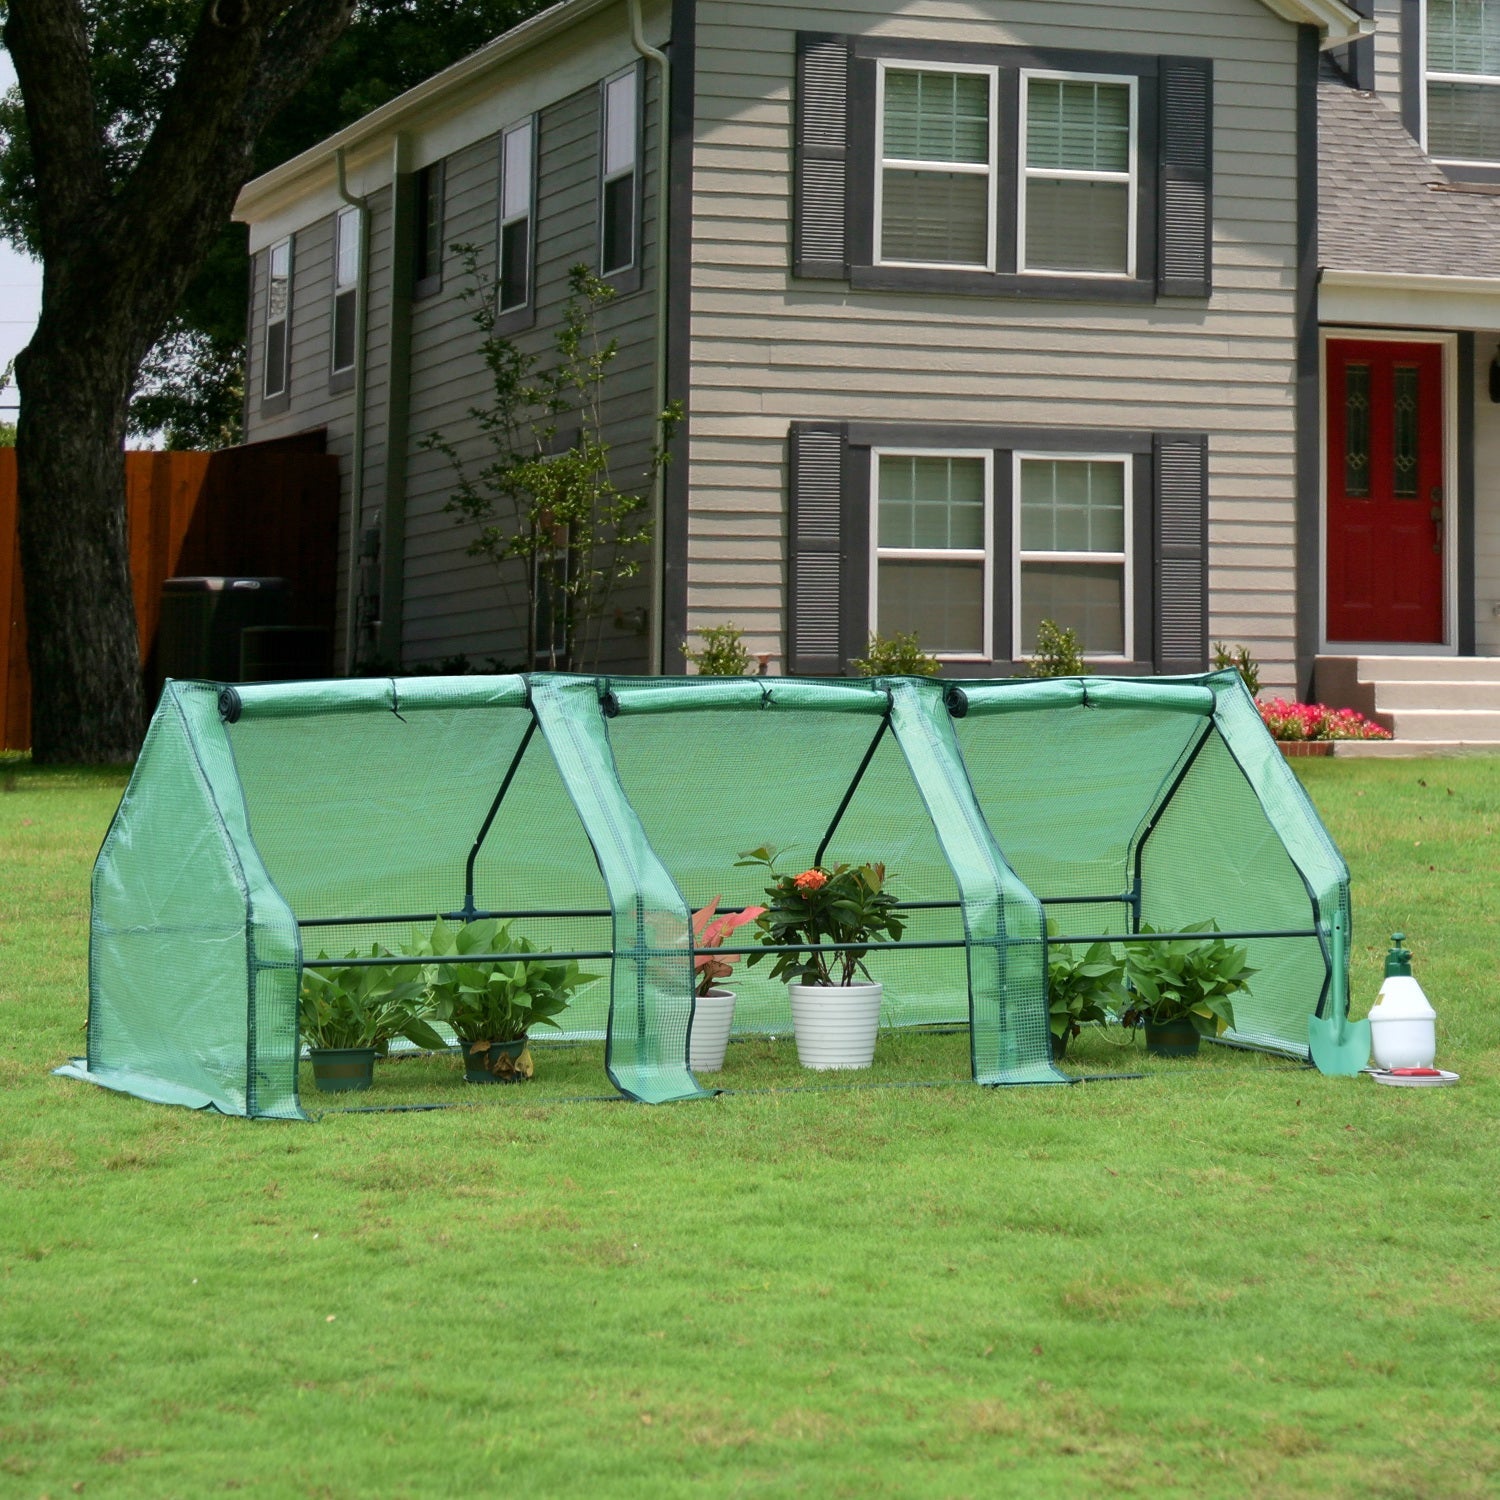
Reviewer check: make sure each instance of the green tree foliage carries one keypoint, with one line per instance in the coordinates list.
(191, 384)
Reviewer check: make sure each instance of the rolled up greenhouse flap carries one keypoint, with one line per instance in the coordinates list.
(295, 700)
(658, 695)
(1088, 692)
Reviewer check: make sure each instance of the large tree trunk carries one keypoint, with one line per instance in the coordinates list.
(118, 250)
(87, 695)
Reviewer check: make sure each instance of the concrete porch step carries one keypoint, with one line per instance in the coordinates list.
(1410, 749)
(1413, 668)
(1433, 725)
(1393, 697)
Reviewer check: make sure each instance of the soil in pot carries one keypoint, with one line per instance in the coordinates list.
(340, 1070)
(713, 1016)
(1171, 1039)
(497, 1062)
(1059, 1044)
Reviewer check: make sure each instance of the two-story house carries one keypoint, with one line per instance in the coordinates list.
(979, 315)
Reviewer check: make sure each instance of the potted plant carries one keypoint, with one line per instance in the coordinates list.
(492, 1003)
(713, 1007)
(834, 1018)
(1182, 990)
(1080, 987)
(346, 1016)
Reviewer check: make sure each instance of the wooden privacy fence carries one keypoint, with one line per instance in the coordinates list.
(262, 510)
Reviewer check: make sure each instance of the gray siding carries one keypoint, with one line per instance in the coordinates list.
(1388, 45)
(1486, 503)
(456, 603)
(768, 349)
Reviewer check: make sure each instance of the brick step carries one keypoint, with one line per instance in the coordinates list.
(1464, 725)
(1392, 697)
(1414, 668)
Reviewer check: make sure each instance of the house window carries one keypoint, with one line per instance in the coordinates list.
(427, 257)
(345, 288)
(935, 182)
(278, 318)
(1072, 564)
(931, 568)
(618, 193)
(516, 157)
(1463, 80)
(1078, 176)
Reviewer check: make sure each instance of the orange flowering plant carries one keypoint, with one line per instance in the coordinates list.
(824, 904)
(709, 933)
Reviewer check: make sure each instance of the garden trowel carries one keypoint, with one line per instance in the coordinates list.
(1340, 1047)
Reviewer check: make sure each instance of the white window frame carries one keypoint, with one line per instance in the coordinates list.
(1131, 178)
(528, 212)
(284, 372)
(1125, 558)
(986, 555)
(633, 170)
(1429, 76)
(989, 170)
(341, 288)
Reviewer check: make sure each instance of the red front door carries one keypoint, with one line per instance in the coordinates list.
(1385, 491)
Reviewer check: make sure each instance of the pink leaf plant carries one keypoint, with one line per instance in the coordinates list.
(709, 933)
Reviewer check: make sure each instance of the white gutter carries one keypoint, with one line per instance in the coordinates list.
(357, 462)
(638, 40)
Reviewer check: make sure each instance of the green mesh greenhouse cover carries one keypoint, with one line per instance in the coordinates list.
(268, 824)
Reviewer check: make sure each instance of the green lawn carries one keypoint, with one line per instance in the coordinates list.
(1228, 1277)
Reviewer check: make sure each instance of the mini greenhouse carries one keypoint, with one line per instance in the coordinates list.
(265, 826)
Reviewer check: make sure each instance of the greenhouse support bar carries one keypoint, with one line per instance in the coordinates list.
(510, 775)
(864, 765)
(1186, 937)
(453, 916)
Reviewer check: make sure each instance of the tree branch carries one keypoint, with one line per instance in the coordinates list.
(49, 44)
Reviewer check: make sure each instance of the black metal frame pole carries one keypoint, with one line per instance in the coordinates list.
(1186, 937)
(885, 723)
(1148, 825)
(428, 916)
(468, 914)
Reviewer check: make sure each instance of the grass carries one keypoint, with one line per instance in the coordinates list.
(1228, 1277)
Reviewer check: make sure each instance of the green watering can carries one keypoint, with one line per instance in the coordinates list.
(1340, 1047)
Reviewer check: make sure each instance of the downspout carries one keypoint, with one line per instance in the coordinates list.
(357, 464)
(663, 178)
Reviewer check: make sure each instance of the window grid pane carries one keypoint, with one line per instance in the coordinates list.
(1077, 125)
(1072, 505)
(943, 602)
(937, 116)
(1407, 378)
(935, 217)
(1463, 36)
(619, 124)
(927, 501)
(1077, 226)
(1087, 598)
(346, 262)
(1463, 121)
(1356, 431)
(515, 173)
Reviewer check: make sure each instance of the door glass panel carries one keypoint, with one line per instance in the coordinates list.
(1357, 431)
(1405, 459)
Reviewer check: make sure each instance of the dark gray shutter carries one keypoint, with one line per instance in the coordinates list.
(1181, 462)
(814, 609)
(1184, 263)
(819, 228)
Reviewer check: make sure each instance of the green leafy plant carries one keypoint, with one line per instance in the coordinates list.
(1240, 659)
(1058, 652)
(363, 1005)
(1190, 981)
(489, 1000)
(709, 933)
(1081, 987)
(844, 904)
(723, 652)
(897, 656)
(544, 497)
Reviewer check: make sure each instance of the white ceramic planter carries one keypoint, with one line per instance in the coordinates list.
(835, 1024)
(713, 1015)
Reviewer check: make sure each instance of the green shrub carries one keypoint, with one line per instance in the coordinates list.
(723, 653)
(897, 656)
(1240, 659)
(1058, 652)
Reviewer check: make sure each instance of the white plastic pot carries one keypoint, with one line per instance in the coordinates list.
(713, 1015)
(1403, 1026)
(835, 1024)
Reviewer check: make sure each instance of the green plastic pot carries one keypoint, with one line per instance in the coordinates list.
(341, 1070)
(497, 1062)
(1171, 1039)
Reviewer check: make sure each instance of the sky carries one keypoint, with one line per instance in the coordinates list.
(20, 289)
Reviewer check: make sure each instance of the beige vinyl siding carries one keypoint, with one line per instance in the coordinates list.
(1388, 46)
(456, 604)
(1486, 504)
(768, 350)
(311, 404)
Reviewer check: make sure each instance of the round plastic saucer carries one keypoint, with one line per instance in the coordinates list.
(1413, 1078)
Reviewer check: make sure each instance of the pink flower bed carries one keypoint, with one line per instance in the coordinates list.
(1312, 721)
